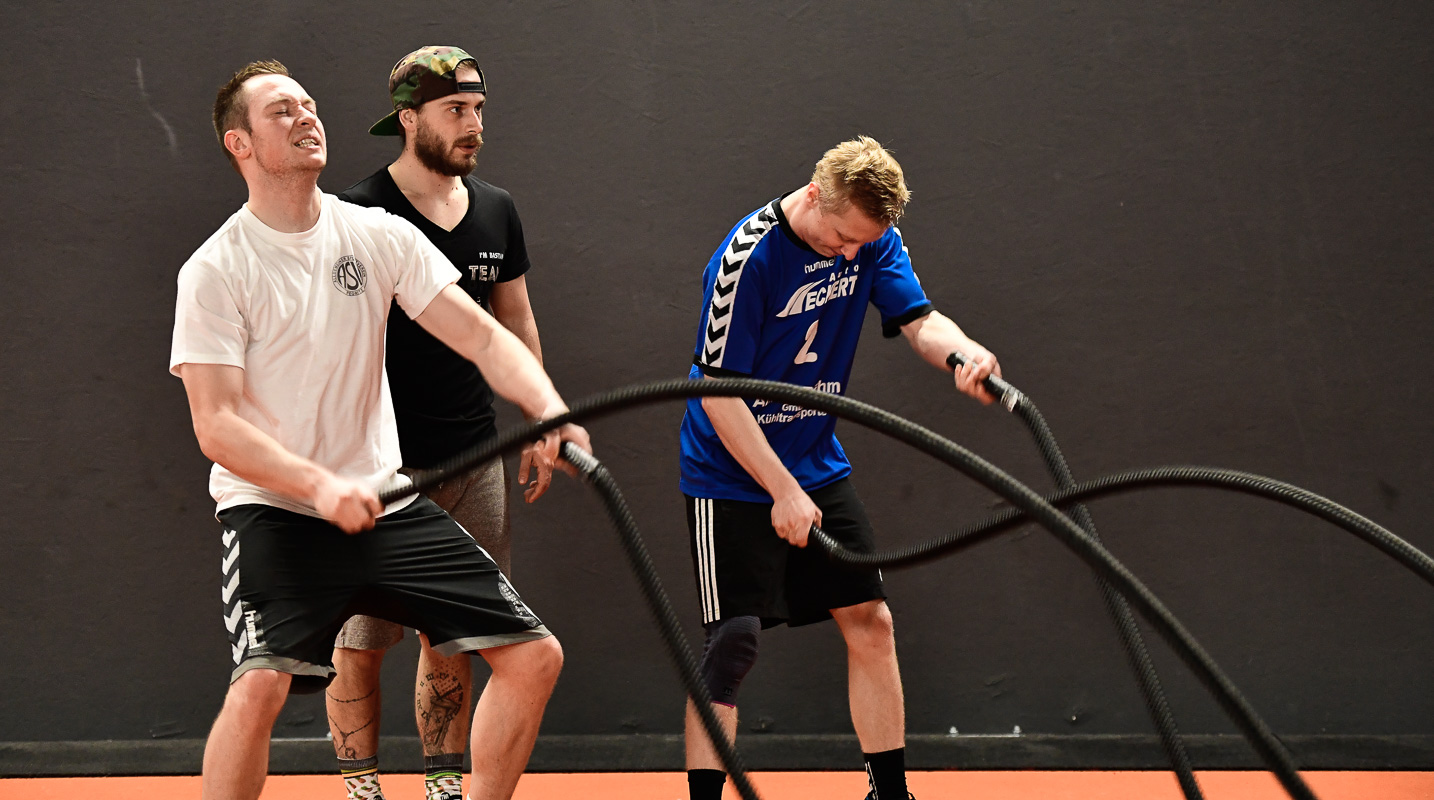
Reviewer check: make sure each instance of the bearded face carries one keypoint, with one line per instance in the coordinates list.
(451, 157)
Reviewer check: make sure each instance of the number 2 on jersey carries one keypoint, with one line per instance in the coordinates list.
(805, 356)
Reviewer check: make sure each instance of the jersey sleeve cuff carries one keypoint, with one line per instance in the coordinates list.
(718, 372)
(891, 328)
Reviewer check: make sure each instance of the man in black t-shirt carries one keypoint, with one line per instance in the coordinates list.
(442, 403)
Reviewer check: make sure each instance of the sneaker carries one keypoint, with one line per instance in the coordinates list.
(872, 796)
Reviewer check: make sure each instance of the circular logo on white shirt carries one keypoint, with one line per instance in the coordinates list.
(349, 276)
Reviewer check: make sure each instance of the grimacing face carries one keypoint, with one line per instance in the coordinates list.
(448, 132)
(285, 134)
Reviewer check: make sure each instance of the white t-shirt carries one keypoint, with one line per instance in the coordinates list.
(303, 315)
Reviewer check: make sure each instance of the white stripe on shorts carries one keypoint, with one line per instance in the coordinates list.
(706, 560)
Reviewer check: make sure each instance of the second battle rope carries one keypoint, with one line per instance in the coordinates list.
(1025, 500)
(1136, 653)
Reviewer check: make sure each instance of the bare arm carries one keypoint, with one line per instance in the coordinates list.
(793, 512)
(234, 443)
(507, 365)
(935, 336)
(512, 308)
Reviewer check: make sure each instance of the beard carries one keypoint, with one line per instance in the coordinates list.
(438, 156)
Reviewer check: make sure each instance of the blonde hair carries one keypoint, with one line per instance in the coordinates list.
(860, 172)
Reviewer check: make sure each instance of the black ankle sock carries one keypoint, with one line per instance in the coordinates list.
(444, 776)
(443, 763)
(887, 772)
(705, 784)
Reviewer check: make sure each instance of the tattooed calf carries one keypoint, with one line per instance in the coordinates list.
(439, 701)
(341, 742)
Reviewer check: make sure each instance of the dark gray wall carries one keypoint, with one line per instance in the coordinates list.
(1194, 232)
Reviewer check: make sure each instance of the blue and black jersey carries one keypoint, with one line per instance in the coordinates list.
(775, 309)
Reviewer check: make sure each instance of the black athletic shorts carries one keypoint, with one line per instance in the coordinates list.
(291, 581)
(745, 569)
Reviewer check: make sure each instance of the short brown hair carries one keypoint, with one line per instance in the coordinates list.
(231, 107)
(860, 172)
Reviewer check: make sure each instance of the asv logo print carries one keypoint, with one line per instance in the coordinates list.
(349, 276)
(818, 293)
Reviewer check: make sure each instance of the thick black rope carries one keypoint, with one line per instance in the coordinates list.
(1372, 533)
(1270, 749)
(1136, 653)
(597, 476)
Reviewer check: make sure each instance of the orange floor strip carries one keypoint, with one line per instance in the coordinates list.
(1027, 785)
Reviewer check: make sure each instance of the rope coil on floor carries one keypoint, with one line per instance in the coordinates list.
(1029, 506)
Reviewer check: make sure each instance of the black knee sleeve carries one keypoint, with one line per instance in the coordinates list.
(729, 654)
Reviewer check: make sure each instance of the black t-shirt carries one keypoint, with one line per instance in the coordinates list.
(442, 404)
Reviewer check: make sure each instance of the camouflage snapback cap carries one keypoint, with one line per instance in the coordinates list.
(426, 74)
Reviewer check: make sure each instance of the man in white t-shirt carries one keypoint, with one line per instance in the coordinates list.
(279, 337)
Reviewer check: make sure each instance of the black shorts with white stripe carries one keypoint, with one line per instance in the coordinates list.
(744, 568)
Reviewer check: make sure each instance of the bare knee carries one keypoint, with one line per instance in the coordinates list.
(259, 694)
(867, 626)
(364, 660)
(538, 661)
(548, 658)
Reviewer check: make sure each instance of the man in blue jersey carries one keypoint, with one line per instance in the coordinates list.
(784, 298)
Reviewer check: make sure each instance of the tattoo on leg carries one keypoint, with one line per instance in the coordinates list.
(341, 741)
(440, 701)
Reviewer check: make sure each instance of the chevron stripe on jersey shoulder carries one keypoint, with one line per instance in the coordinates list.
(724, 288)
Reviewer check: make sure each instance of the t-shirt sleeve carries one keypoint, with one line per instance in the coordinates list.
(515, 261)
(895, 291)
(208, 325)
(732, 324)
(423, 270)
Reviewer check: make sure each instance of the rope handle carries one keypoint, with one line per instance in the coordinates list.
(994, 384)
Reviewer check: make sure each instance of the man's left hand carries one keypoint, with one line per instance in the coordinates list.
(971, 376)
(535, 457)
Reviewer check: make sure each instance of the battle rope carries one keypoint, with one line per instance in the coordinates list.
(1136, 653)
(1024, 499)
(1210, 477)
(597, 476)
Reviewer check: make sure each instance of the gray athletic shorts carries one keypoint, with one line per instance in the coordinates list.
(478, 501)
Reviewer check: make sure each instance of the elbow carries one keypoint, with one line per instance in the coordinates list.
(713, 406)
(209, 441)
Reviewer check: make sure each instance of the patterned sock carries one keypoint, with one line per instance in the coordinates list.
(887, 772)
(444, 779)
(361, 778)
(705, 784)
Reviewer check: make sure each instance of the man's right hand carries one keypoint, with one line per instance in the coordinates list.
(349, 505)
(793, 515)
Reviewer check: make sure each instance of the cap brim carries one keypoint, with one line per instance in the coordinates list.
(388, 126)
